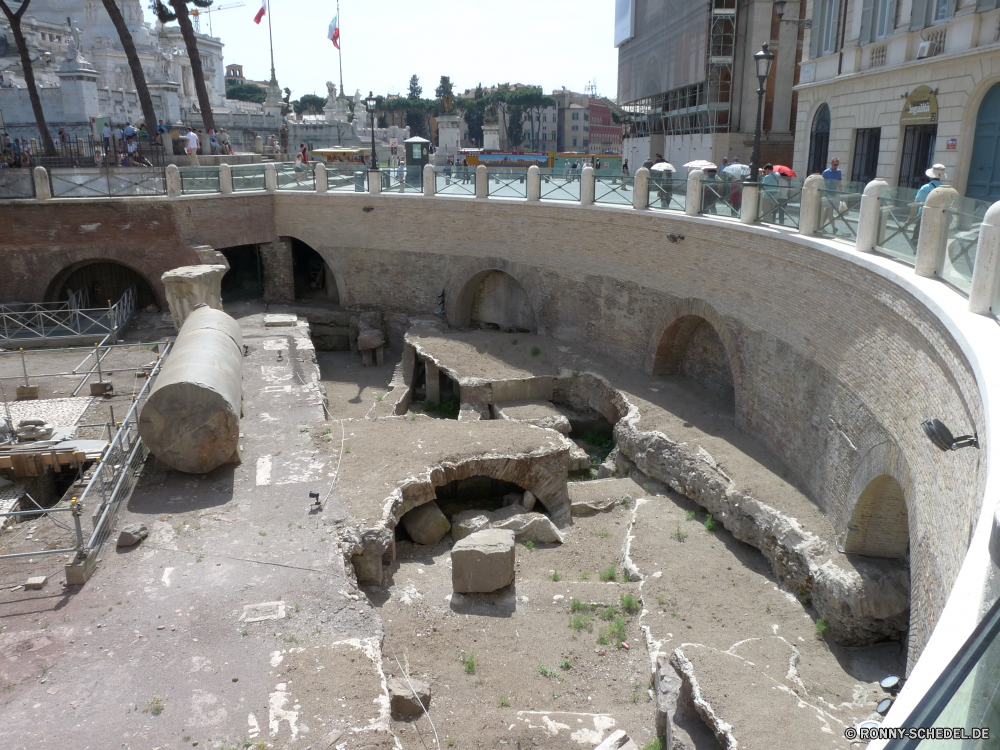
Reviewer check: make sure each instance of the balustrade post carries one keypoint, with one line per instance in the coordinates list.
(640, 189)
(870, 216)
(482, 183)
(225, 179)
(588, 186)
(430, 182)
(985, 273)
(258, 145)
(694, 197)
(270, 177)
(934, 231)
(43, 191)
(809, 211)
(173, 180)
(319, 177)
(749, 203)
(533, 188)
(374, 182)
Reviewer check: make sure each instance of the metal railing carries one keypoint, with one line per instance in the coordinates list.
(346, 178)
(722, 197)
(840, 210)
(199, 180)
(248, 177)
(455, 181)
(290, 179)
(42, 322)
(667, 190)
(16, 184)
(781, 204)
(559, 185)
(405, 180)
(899, 222)
(961, 241)
(107, 182)
(507, 183)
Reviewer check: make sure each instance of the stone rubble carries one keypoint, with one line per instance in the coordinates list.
(403, 703)
(132, 534)
(426, 524)
(483, 562)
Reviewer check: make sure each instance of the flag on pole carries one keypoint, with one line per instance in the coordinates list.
(333, 33)
(261, 12)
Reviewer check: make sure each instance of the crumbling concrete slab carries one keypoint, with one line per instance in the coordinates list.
(537, 412)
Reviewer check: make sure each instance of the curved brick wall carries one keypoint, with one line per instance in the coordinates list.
(834, 366)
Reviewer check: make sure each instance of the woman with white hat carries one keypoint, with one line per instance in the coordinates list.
(936, 175)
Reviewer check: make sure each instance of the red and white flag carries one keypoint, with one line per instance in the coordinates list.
(261, 12)
(333, 33)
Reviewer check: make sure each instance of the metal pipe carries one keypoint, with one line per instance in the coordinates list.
(36, 554)
(25, 368)
(43, 511)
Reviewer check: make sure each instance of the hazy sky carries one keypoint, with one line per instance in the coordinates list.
(551, 43)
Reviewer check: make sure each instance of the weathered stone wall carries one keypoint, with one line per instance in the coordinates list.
(38, 239)
(705, 360)
(500, 301)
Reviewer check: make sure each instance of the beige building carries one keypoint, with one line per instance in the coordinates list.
(893, 86)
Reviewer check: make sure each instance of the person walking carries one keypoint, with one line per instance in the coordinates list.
(771, 184)
(936, 175)
(106, 134)
(299, 169)
(833, 179)
(192, 145)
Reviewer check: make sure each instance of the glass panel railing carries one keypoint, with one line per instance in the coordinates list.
(455, 181)
(16, 183)
(195, 180)
(507, 183)
(839, 210)
(402, 180)
(107, 182)
(668, 190)
(346, 177)
(560, 185)
(292, 177)
(613, 187)
(780, 201)
(962, 239)
(899, 224)
(721, 197)
(248, 177)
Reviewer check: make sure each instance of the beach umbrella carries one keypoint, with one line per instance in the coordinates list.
(663, 166)
(784, 171)
(737, 170)
(700, 164)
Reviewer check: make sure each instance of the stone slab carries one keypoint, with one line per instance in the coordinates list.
(279, 320)
(483, 562)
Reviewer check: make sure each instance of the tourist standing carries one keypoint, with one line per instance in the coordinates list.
(833, 178)
(771, 184)
(299, 169)
(936, 174)
(106, 134)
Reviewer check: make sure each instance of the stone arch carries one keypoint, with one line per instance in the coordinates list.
(334, 265)
(497, 298)
(104, 280)
(692, 339)
(312, 277)
(876, 517)
(819, 139)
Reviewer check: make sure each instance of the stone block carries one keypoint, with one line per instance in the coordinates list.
(132, 534)
(483, 562)
(371, 338)
(368, 569)
(279, 320)
(426, 524)
(527, 527)
(79, 572)
(27, 392)
(101, 389)
(618, 740)
(189, 286)
(403, 703)
(36, 582)
(468, 522)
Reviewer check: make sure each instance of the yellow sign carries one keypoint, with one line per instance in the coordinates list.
(921, 107)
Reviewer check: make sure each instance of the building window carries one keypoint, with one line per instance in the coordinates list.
(864, 165)
(884, 20)
(824, 28)
(586, 116)
(574, 141)
(819, 140)
(576, 127)
(586, 128)
(940, 9)
(576, 115)
(585, 143)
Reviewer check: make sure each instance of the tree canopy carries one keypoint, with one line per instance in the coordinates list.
(309, 102)
(246, 92)
(415, 90)
(166, 14)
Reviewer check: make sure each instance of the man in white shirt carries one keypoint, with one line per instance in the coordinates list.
(192, 145)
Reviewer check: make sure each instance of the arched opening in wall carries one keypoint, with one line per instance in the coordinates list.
(311, 275)
(245, 278)
(879, 525)
(93, 283)
(497, 300)
(692, 348)
(819, 140)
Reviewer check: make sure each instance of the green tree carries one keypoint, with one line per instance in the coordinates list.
(177, 10)
(532, 101)
(246, 92)
(309, 103)
(445, 95)
(14, 19)
(134, 64)
(474, 114)
(415, 91)
(515, 126)
(499, 106)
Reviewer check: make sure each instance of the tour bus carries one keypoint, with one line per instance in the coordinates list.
(342, 155)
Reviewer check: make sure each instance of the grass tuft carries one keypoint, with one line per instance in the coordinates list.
(630, 604)
(155, 706)
(580, 622)
(608, 613)
(821, 627)
(710, 523)
(535, 351)
(576, 605)
(529, 544)
(609, 574)
(504, 702)
(565, 664)
(555, 575)
(679, 535)
(690, 515)
(545, 671)
(469, 661)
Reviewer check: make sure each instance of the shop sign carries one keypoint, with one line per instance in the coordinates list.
(952, 144)
(920, 107)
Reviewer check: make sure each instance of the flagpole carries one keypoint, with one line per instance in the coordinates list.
(340, 54)
(270, 35)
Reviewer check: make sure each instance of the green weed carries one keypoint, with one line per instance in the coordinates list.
(529, 544)
(768, 609)
(609, 574)
(710, 523)
(565, 664)
(630, 604)
(821, 627)
(504, 702)
(155, 706)
(580, 622)
(608, 613)
(448, 409)
(679, 535)
(617, 631)
(469, 661)
(602, 638)
(535, 351)
(576, 605)
(690, 515)
(545, 671)
(602, 534)
(656, 744)
(585, 576)
(555, 575)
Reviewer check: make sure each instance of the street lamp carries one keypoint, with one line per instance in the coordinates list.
(762, 61)
(370, 102)
(779, 9)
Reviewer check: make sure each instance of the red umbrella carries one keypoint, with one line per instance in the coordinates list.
(784, 171)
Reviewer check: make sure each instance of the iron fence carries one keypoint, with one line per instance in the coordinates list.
(667, 190)
(248, 177)
(402, 180)
(781, 204)
(450, 180)
(199, 180)
(44, 322)
(722, 197)
(559, 187)
(107, 182)
(507, 183)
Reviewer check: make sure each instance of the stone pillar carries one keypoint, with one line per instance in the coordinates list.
(270, 177)
(482, 183)
(319, 174)
(430, 182)
(188, 286)
(433, 382)
(534, 185)
(276, 259)
(640, 189)
(693, 199)
(225, 179)
(588, 185)
(984, 274)
(870, 216)
(258, 145)
(749, 203)
(43, 191)
(934, 231)
(173, 180)
(374, 182)
(809, 212)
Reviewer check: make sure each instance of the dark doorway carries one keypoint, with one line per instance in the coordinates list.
(918, 154)
(103, 283)
(864, 165)
(984, 170)
(245, 279)
(819, 141)
(312, 276)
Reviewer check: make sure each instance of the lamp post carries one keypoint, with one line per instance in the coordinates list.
(762, 61)
(779, 10)
(370, 102)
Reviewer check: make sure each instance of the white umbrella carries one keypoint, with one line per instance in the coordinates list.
(700, 164)
(663, 166)
(737, 170)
